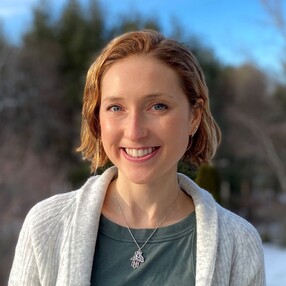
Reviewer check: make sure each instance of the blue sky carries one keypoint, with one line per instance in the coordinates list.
(237, 30)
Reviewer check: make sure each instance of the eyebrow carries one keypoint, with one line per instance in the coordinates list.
(148, 96)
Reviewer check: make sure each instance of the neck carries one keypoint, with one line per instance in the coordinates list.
(145, 205)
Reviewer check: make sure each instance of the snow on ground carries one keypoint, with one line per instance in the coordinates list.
(275, 264)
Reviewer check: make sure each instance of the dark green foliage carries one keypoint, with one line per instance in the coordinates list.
(187, 169)
(280, 97)
(208, 178)
(3, 39)
(78, 175)
(132, 23)
(80, 35)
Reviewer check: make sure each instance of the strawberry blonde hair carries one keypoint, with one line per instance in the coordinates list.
(202, 146)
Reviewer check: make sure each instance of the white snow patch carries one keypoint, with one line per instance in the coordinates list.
(275, 265)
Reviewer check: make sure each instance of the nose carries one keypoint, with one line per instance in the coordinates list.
(136, 126)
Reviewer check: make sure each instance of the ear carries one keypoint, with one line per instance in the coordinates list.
(196, 116)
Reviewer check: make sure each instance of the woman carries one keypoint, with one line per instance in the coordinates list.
(145, 107)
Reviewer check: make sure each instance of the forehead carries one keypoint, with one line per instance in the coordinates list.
(139, 72)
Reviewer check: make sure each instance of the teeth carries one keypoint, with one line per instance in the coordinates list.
(137, 153)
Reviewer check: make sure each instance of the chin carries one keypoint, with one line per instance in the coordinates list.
(147, 176)
(139, 177)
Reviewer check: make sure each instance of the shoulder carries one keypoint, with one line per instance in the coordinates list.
(227, 221)
(233, 230)
(241, 237)
(59, 210)
(56, 210)
(243, 233)
(62, 202)
(239, 240)
(237, 244)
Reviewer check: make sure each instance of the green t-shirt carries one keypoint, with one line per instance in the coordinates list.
(169, 255)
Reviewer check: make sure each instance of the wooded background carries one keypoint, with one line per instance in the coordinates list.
(41, 85)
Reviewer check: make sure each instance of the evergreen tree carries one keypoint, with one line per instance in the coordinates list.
(208, 178)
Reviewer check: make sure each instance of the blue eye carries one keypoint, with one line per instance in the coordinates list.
(114, 108)
(160, 106)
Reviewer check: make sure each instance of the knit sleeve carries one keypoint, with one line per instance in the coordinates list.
(248, 259)
(24, 270)
(240, 259)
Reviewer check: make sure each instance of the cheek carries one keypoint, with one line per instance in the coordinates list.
(110, 134)
(105, 131)
(180, 125)
(106, 126)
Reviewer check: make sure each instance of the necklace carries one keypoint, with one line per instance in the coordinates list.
(137, 259)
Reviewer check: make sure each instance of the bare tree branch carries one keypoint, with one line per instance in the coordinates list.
(272, 155)
(274, 8)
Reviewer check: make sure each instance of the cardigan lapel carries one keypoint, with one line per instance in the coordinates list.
(84, 231)
(207, 230)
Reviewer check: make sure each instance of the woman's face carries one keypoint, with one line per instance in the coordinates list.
(145, 119)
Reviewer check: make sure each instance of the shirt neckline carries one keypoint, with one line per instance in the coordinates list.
(166, 233)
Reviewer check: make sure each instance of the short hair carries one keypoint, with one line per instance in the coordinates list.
(202, 146)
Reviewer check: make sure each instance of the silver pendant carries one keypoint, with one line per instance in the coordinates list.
(137, 259)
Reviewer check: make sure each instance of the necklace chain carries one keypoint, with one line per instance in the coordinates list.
(138, 258)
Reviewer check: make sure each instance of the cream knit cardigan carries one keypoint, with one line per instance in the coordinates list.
(57, 240)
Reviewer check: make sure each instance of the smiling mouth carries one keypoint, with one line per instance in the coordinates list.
(139, 153)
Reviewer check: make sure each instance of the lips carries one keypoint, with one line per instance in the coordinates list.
(139, 153)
